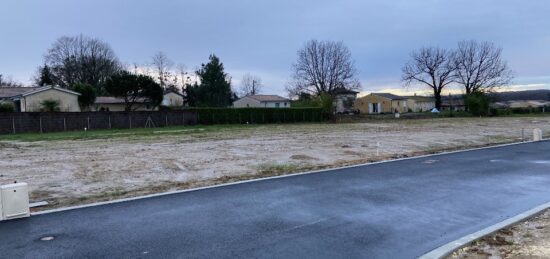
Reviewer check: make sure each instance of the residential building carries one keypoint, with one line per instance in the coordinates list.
(344, 100)
(116, 104)
(376, 103)
(454, 103)
(172, 99)
(521, 104)
(262, 101)
(420, 103)
(30, 99)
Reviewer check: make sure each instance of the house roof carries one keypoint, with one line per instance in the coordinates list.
(420, 98)
(342, 90)
(267, 98)
(12, 92)
(172, 91)
(114, 100)
(452, 102)
(389, 96)
(7, 92)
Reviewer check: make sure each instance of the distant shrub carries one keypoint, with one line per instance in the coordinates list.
(6, 107)
(477, 104)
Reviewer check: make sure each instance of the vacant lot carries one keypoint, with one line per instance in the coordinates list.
(80, 168)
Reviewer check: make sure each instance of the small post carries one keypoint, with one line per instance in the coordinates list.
(183, 117)
(64, 124)
(166, 120)
(40, 124)
(537, 134)
(88, 121)
(13, 124)
(109, 121)
(522, 134)
(130, 118)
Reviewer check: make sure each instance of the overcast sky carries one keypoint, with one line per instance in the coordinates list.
(262, 37)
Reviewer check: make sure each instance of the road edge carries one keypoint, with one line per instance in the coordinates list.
(452, 246)
(274, 177)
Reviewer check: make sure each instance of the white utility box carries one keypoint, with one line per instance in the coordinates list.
(14, 201)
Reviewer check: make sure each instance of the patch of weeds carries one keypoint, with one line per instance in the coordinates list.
(277, 168)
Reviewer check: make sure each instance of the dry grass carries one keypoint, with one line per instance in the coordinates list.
(77, 171)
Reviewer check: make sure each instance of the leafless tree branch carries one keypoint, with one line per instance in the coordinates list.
(323, 66)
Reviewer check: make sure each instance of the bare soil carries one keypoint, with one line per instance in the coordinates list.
(528, 239)
(73, 172)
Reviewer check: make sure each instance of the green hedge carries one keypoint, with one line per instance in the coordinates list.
(258, 115)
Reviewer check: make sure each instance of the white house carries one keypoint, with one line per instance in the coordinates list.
(262, 101)
(420, 103)
(172, 99)
(344, 99)
(30, 99)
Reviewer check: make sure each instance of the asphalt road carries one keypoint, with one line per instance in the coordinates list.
(399, 209)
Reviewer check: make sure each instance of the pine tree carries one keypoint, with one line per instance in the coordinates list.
(214, 89)
(45, 77)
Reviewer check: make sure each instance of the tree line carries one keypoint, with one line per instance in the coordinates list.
(90, 67)
(322, 68)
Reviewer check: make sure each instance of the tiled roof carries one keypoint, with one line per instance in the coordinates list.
(268, 98)
(7, 92)
(114, 100)
(341, 90)
(389, 96)
(420, 98)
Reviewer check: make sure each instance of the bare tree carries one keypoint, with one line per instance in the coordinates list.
(162, 65)
(251, 85)
(479, 67)
(8, 82)
(81, 59)
(432, 67)
(323, 66)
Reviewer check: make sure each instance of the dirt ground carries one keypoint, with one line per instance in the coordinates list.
(529, 239)
(73, 172)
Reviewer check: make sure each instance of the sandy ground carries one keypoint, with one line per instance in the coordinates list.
(83, 171)
(529, 239)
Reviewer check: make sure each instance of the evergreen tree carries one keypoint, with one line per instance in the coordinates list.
(87, 96)
(45, 76)
(214, 89)
(136, 90)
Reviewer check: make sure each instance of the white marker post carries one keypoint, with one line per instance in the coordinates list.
(537, 134)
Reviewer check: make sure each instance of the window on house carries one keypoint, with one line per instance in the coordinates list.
(277, 105)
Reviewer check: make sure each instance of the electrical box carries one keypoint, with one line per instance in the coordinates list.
(14, 201)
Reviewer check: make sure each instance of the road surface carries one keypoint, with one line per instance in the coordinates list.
(399, 209)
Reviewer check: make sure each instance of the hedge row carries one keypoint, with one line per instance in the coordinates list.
(258, 115)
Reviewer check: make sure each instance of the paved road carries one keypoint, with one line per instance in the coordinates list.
(391, 210)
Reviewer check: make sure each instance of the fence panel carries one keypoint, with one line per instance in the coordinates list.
(72, 121)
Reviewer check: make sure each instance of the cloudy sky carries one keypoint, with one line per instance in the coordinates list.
(262, 37)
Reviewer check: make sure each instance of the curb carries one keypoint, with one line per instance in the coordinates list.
(274, 177)
(452, 246)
